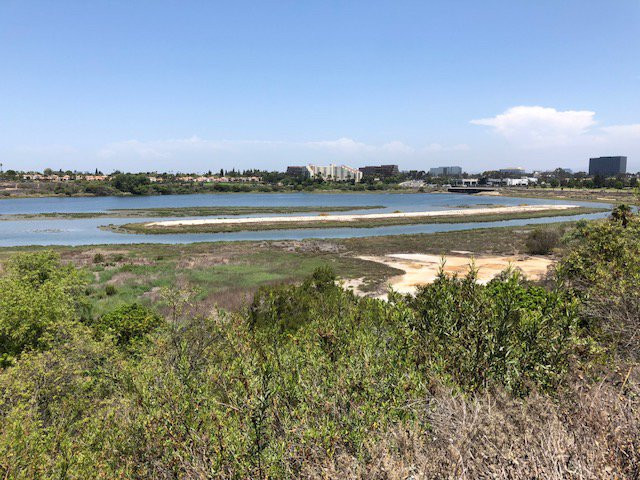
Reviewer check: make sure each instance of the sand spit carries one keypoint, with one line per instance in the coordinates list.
(359, 217)
(421, 269)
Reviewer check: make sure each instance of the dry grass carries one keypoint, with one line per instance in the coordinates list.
(591, 432)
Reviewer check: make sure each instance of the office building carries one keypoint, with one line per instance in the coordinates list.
(445, 171)
(380, 170)
(608, 166)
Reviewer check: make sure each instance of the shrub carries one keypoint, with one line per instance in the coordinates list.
(98, 258)
(128, 323)
(286, 308)
(39, 299)
(507, 333)
(314, 382)
(602, 267)
(110, 290)
(542, 241)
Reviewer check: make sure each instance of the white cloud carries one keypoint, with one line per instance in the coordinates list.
(549, 138)
(535, 126)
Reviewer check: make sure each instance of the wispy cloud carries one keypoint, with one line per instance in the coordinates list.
(436, 147)
(45, 149)
(195, 146)
(624, 131)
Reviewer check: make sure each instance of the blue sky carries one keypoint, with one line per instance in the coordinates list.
(199, 85)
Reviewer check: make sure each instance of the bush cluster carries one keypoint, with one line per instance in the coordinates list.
(311, 378)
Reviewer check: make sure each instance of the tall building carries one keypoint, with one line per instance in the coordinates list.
(445, 171)
(337, 173)
(607, 166)
(380, 170)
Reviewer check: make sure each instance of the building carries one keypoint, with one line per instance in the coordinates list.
(466, 182)
(380, 170)
(607, 166)
(445, 171)
(512, 182)
(337, 173)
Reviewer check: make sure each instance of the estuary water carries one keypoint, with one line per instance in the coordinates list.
(87, 232)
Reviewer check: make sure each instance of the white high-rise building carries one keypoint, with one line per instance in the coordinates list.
(337, 173)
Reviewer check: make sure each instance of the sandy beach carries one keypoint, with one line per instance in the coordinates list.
(421, 269)
(361, 217)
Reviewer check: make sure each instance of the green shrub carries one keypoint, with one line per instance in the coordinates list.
(110, 290)
(128, 323)
(98, 258)
(309, 376)
(39, 299)
(507, 333)
(542, 241)
(287, 307)
(602, 267)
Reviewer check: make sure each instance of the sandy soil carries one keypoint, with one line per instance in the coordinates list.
(421, 269)
(366, 216)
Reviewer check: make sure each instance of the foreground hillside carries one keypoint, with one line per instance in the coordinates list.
(505, 380)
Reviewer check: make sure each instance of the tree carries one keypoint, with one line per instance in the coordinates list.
(136, 184)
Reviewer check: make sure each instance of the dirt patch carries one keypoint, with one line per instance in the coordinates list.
(121, 278)
(86, 257)
(421, 269)
(305, 246)
(153, 295)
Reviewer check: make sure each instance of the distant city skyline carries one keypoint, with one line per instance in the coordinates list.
(141, 86)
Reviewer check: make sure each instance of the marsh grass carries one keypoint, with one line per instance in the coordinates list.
(146, 228)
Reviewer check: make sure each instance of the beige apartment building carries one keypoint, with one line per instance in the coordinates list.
(338, 173)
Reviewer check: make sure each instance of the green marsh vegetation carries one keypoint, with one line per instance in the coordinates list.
(310, 381)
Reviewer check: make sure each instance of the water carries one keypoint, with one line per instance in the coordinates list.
(87, 232)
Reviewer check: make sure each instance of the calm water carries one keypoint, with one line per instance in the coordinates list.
(86, 231)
